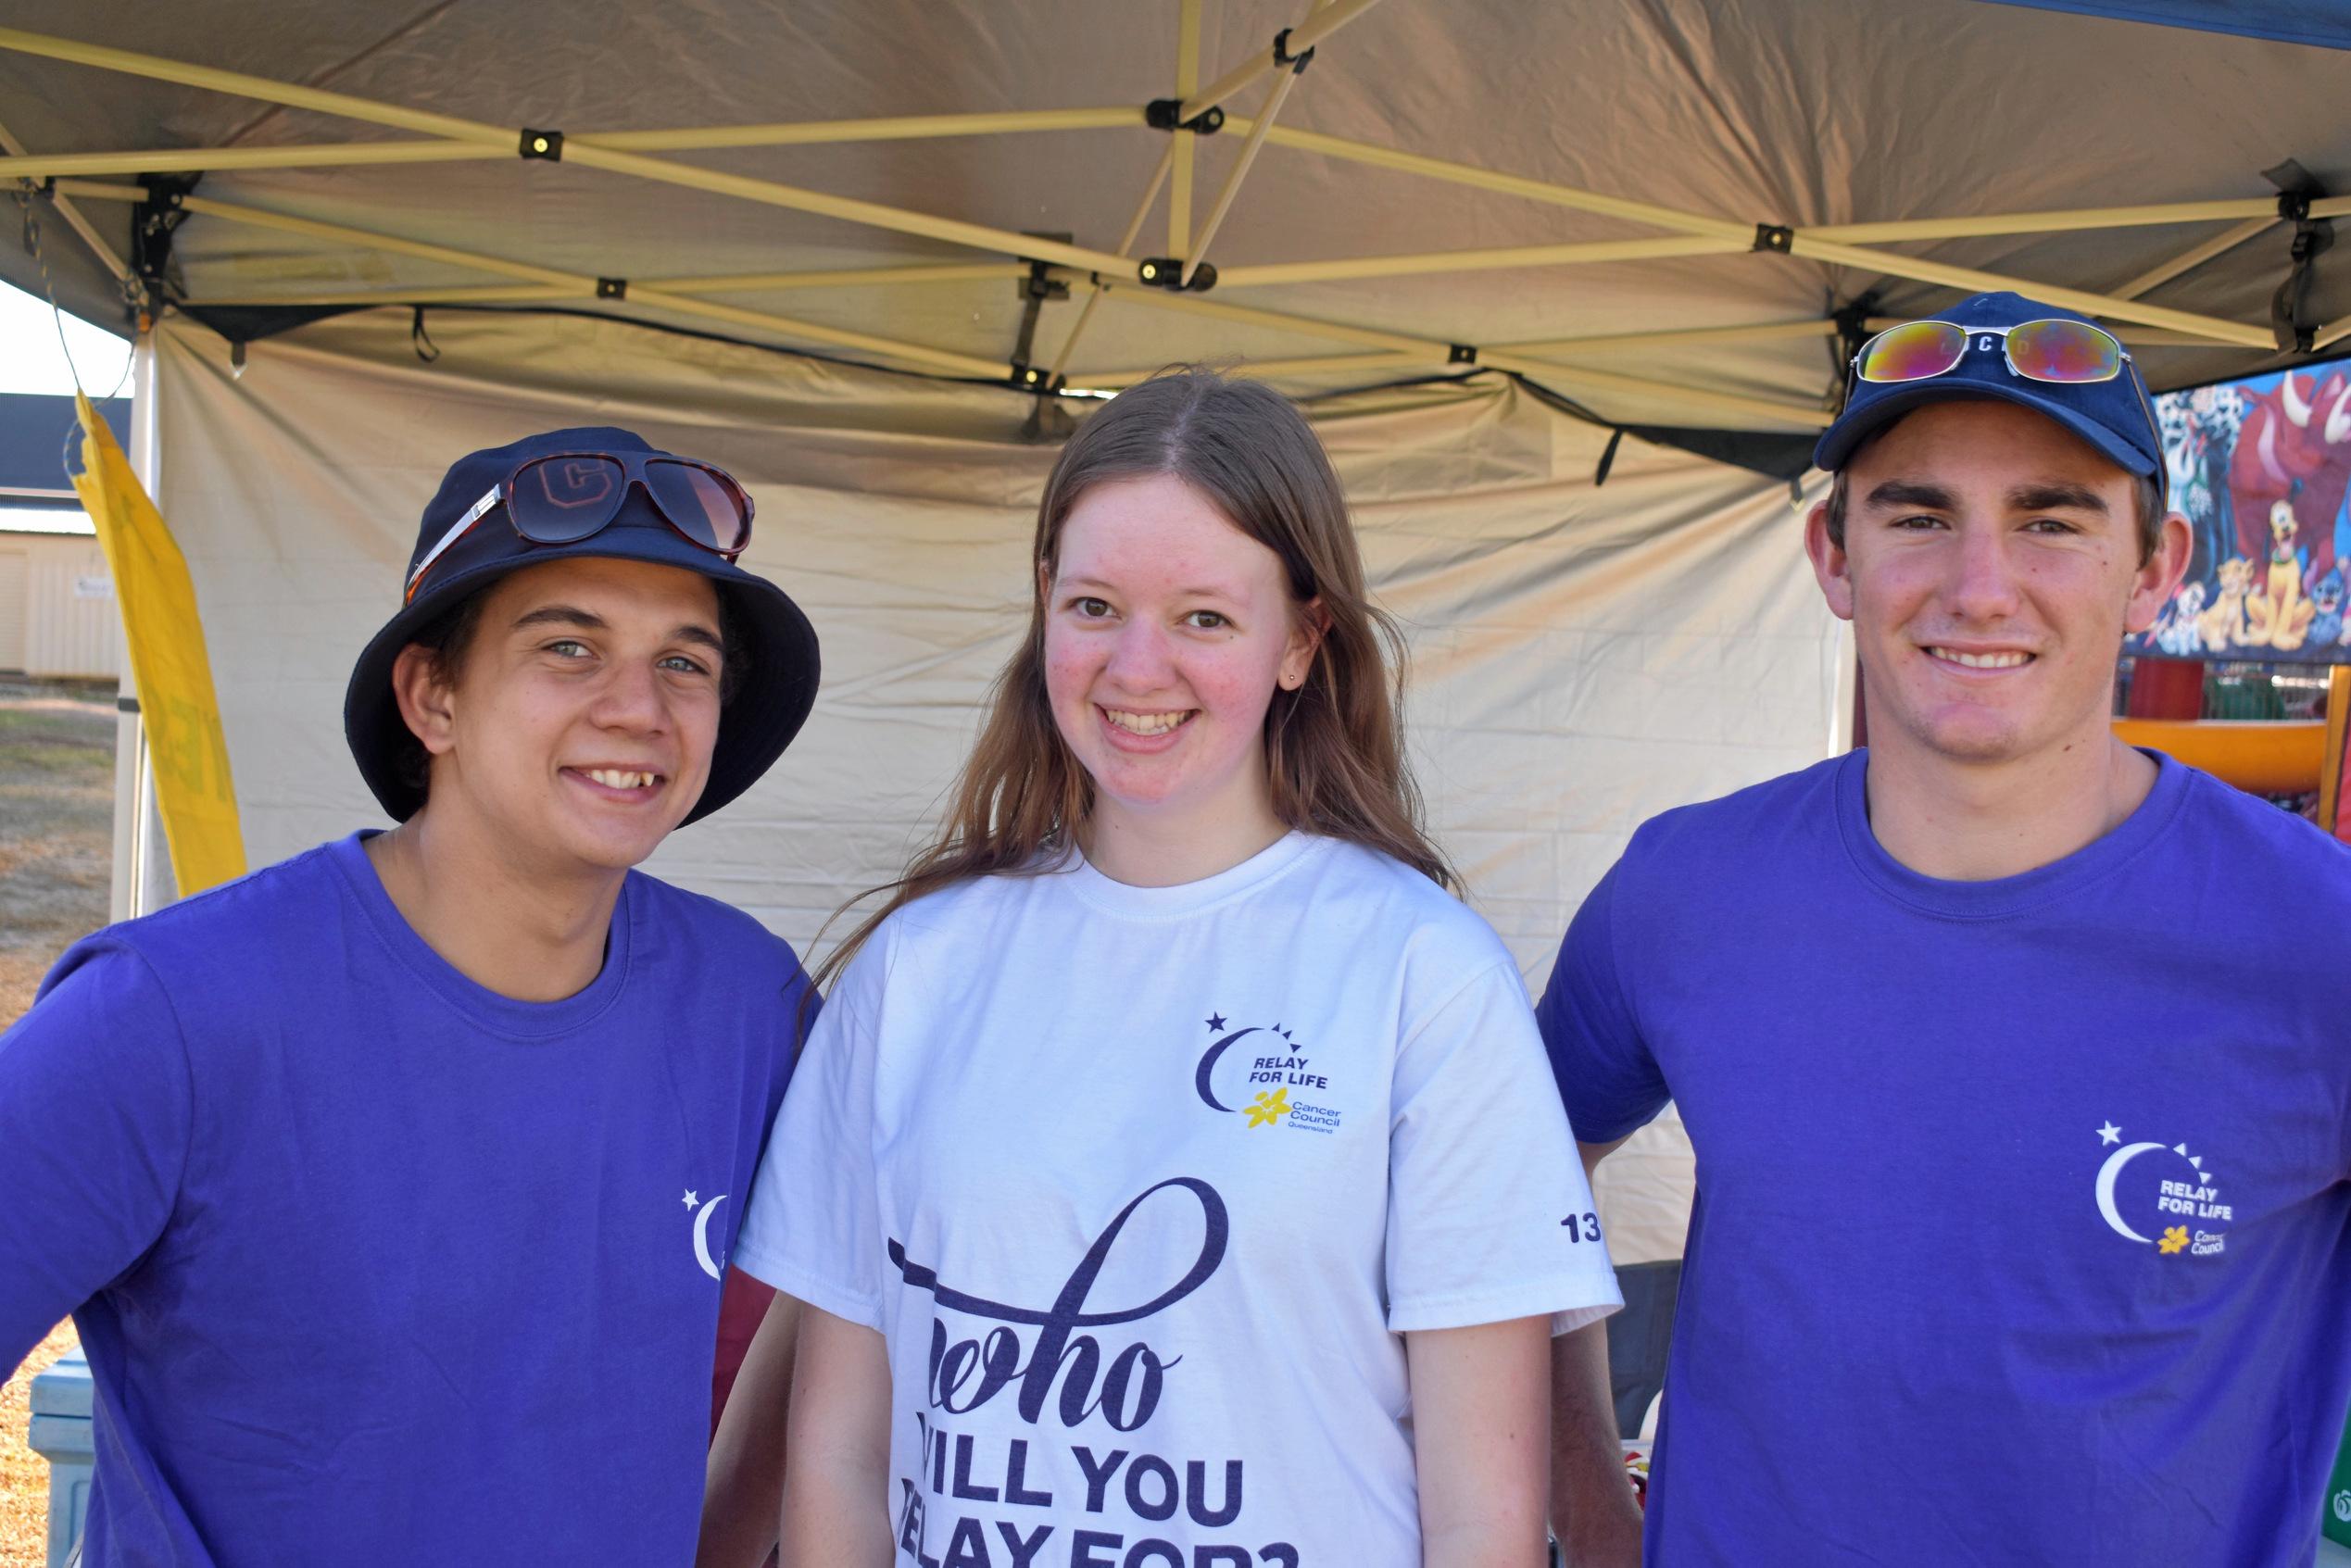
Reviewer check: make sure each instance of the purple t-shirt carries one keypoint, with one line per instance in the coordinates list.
(373, 1265)
(2023, 1220)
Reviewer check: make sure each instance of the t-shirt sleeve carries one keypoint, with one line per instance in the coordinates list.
(1489, 1215)
(1607, 1077)
(814, 1227)
(95, 1112)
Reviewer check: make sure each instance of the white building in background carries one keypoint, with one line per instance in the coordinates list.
(58, 614)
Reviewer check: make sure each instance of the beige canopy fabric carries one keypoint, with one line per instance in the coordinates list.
(767, 242)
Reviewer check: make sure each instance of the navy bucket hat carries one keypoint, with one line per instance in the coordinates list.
(2115, 417)
(777, 652)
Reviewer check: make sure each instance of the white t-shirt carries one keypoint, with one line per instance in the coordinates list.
(1143, 1186)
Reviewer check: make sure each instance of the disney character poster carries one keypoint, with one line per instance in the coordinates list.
(2259, 467)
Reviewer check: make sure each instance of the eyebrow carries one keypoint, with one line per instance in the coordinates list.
(1191, 593)
(2057, 497)
(2043, 495)
(1908, 493)
(572, 615)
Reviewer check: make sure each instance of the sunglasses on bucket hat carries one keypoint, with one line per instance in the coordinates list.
(563, 498)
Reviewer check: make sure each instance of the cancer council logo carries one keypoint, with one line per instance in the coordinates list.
(2342, 1505)
(1256, 1079)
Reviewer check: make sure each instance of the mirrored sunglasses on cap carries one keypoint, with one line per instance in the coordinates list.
(563, 498)
(2066, 353)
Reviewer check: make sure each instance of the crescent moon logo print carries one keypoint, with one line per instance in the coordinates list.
(1266, 1071)
(2164, 1188)
(702, 1232)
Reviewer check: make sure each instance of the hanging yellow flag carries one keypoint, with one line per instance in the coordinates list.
(186, 744)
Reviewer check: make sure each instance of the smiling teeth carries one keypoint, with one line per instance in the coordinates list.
(1146, 724)
(1983, 660)
(619, 778)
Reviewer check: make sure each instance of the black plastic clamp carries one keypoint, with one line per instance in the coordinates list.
(1282, 57)
(547, 146)
(1040, 283)
(1166, 273)
(1776, 237)
(1160, 115)
(1032, 377)
(1461, 354)
(611, 288)
(2294, 206)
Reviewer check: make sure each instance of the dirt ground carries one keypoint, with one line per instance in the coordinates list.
(56, 809)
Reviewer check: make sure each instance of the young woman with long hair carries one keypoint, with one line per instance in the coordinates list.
(1174, 1177)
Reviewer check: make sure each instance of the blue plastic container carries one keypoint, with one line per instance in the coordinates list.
(60, 1434)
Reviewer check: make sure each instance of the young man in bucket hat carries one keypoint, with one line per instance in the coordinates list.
(391, 1186)
(2022, 1111)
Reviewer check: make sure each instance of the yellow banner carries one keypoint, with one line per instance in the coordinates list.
(186, 744)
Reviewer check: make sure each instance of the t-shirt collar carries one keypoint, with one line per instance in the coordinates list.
(483, 1006)
(2010, 895)
(1190, 898)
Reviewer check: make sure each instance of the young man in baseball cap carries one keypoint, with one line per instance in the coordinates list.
(391, 1186)
(2020, 1099)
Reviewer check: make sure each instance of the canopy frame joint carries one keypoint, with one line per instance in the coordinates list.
(1168, 272)
(1160, 115)
(1776, 238)
(1297, 63)
(540, 146)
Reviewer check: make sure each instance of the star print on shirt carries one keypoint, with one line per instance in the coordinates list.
(2110, 1134)
(1216, 1021)
(690, 1199)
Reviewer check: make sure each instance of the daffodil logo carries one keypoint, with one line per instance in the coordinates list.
(1267, 1110)
(2174, 1240)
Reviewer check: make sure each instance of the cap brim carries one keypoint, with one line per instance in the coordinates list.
(773, 697)
(1837, 445)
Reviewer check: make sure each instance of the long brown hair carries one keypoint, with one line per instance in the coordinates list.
(1333, 748)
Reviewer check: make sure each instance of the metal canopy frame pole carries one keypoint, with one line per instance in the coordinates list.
(1317, 26)
(747, 283)
(1185, 142)
(74, 221)
(1167, 161)
(2194, 256)
(1271, 274)
(1275, 97)
(585, 286)
(1800, 243)
(585, 153)
(328, 155)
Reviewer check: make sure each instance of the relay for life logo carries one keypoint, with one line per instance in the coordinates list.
(1264, 1072)
(2147, 1186)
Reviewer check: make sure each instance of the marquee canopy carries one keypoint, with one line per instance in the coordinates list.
(1660, 211)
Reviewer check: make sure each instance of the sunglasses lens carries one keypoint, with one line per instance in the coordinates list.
(704, 507)
(1913, 351)
(559, 500)
(2064, 351)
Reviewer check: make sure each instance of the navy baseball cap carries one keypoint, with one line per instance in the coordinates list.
(2115, 417)
(778, 652)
